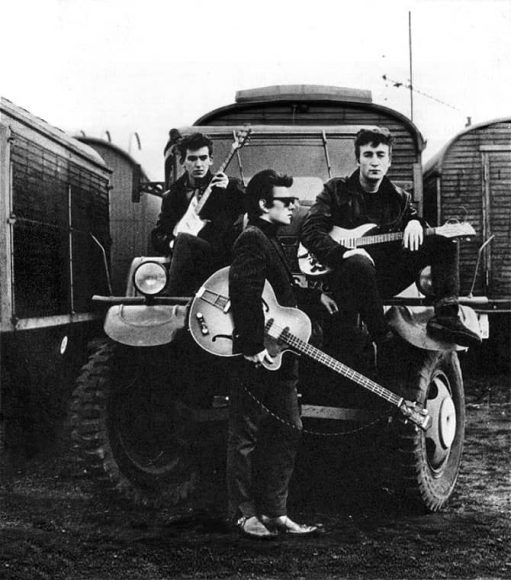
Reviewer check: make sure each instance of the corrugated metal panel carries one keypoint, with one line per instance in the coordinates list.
(42, 182)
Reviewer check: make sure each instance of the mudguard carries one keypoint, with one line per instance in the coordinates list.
(410, 324)
(143, 325)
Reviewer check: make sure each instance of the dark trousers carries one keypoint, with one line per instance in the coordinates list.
(359, 286)
(193, 261)
(261, 450)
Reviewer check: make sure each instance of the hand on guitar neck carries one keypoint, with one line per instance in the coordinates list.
(219, 180)
(191, 222)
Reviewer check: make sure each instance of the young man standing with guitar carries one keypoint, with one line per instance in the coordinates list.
(359, 277)
(198, 212)
(257, 256)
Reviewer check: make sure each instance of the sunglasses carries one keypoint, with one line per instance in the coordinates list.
(287, 201)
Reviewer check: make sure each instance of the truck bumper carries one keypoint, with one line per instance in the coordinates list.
(142, 325)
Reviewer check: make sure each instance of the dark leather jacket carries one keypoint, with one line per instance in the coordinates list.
(341, 203)
(222, 208)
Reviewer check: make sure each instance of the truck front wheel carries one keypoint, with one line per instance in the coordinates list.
(129, 426)
(429, 462)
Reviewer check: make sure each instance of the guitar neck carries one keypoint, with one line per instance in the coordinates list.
(223, 303)
(390, 237)
(340, 368)
(209, 189)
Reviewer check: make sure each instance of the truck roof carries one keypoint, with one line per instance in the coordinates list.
(24, 117)
(303, 92)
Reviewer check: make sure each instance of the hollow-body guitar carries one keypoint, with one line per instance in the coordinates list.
(286, 329)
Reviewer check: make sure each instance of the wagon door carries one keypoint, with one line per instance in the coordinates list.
(496, 196)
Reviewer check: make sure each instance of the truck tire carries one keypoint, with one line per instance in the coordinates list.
(129, 427)
(429, 462)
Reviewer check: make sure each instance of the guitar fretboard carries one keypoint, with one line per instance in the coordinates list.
(379, 238)
(335, 365)
(284, 335)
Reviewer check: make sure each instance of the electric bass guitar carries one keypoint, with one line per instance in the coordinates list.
(212, 327)
(358, 238)
(191, 222)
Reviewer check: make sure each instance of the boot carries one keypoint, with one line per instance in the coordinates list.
(447, 325)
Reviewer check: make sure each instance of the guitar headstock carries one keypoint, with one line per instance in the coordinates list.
(455, 229)
(241, 137)
(416, 415)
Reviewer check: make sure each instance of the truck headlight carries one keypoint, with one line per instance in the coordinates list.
(150, 278)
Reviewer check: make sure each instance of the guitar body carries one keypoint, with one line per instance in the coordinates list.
(345, 237)
(191, 223)
(349, 238)
(212, 327)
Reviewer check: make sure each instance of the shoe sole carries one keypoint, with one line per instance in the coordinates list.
(455, 337)
(256, 537)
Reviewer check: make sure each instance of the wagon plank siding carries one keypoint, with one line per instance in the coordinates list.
(471, 177)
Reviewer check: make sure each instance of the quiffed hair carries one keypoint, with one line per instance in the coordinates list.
(261, 187)
(192, 143)
(373, 136)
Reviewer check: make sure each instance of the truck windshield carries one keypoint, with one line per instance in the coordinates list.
(310, 155)
(311, 160)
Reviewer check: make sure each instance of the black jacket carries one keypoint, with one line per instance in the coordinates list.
(222, 208)
(341, 203)
(257, 256)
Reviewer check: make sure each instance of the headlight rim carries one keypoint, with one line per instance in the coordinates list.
(138, 287)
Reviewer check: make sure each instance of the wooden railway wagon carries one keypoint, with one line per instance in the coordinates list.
(323, 107)
(470, 177)
(53, 203)
(133, 211)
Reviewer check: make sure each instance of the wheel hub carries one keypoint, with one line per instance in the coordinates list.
(447, 422)
(440, 435)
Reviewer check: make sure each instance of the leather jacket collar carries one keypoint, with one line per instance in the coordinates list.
(393, 200)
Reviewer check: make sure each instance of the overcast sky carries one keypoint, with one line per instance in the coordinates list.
(149, 65)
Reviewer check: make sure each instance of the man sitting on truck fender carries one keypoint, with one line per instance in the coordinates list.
(361, 277)
(195, 257)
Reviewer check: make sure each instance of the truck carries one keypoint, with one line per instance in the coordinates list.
(150, 407)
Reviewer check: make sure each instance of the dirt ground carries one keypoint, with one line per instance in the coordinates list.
(55, 525)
